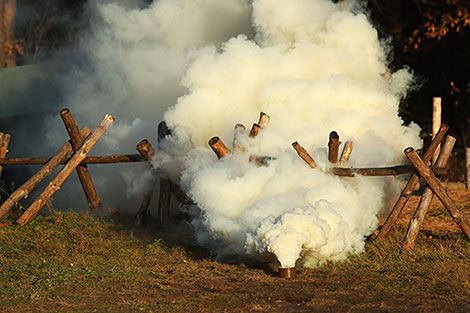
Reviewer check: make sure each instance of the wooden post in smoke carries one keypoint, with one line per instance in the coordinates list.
(219, 147)
(94, 201)
(263, 120)
(144, 147)
(237, 134)
(304, 154)
(382, 171)
(55, 184)
(254, 130)
(436, 122)
(333, 147)
(412, 182)
(417, 220)
(439, 190)
(4, 141)
(164, 201)
(347, 149)
(24, 190)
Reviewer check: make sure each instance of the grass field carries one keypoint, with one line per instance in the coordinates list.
(70, 262)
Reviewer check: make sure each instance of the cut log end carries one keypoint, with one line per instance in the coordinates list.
(64, 111)
(348, 146)
(239, 131)
(218, 147)
(263, 120)
(254, 130)
(333, 147)
(304, 154)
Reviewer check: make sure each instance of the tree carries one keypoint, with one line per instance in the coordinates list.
(9, 46)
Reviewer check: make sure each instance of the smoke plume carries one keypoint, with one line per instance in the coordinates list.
(205, 65)
(314, 66)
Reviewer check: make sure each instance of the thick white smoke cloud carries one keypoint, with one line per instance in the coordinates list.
(314, 67)
(130, 65)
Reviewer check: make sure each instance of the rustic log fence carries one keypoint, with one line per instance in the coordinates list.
(74, 155)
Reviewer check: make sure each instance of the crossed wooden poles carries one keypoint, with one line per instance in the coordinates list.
(81, 142)
(433, 187)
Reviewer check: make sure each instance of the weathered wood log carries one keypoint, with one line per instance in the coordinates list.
(254, 130)
(382, 171)
(263, 120)
(144, 206)
(145, 149)
(347, 149)
(439, 191)
(218, 147)
(58, 180)
(467, 167)
(24, 190)
(237, 134)
(436, 122)
(164, 201)
(163, 131)
(406, 193)
(260, 160)
(333, 147)
(304, 154)
(107, 159)
(4, 141)
(94, 201)
(417, 220)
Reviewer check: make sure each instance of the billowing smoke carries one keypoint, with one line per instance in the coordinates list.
(205, 65)
(314, 66)
(129, 65)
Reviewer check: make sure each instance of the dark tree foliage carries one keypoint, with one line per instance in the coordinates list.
(433, 38)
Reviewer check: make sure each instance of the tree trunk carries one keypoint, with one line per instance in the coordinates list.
(467, 166)
(7, 33)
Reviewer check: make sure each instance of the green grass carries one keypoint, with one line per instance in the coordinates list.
(67, 262)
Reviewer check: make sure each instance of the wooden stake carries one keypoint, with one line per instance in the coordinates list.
(347, 149)
(333, 147)
(165, 184)
(163, 131)
(304, 154)
(218, 147)
(24, 190)
(467, 167)
(144, 206)
(436, 122)
(55, 184)
(382, 171)
(263, 120)
(254, 130)
(237, 134)
(417, 220)
(94, 201)
(146, 150)
(440, 192)
(4, 141)
(164, 201)
(406, 193)
(107, 159)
